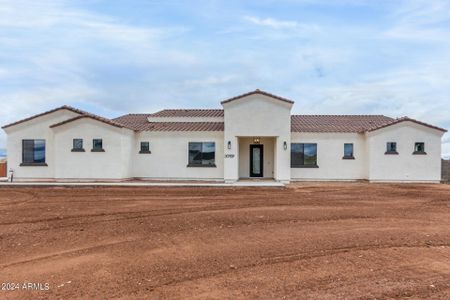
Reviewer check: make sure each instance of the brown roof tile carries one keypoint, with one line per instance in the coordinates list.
(66, 107)
(133, 121)
(208, 113)
(403, 119)
(90, 116)
(337, 123)
(257, 91)
(139, 122)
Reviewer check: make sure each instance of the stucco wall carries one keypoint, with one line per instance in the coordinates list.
(169, 156)
(445, 170)
(268, 157)
(34, 129)
(405, 166)
(114, 163)
(330, 150)
(259, 116)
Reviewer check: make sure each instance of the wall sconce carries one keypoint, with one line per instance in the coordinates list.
(229, 144)
(256, 140)
(285, 145)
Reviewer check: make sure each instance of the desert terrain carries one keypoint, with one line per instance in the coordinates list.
(307, 241)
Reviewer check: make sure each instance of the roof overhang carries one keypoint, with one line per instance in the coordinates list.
(257, 92)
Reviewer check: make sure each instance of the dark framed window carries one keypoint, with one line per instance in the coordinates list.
(33, 153)
(391, 148)
(419, 148)
(77, 145)
(145, 147)
(202, 154)
(303, 155)
(97, 145)
(348, 151)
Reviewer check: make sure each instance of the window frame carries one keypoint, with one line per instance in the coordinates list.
(388, 149)
(416, 152)
(191, 164)
(33, 163)
(144, 151)
(96, 149)
(303, 165)
(76, 149)
(352, 156)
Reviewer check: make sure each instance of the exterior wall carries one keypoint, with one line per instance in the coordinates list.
(445, 170)
(169, 156)
(330, 150)
(268, 157)
(260, 116)
(37, 128)
(405, 166)
(114, 163)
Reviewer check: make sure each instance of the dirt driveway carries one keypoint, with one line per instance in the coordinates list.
(317, 241)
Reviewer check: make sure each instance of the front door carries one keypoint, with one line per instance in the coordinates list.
(256, 160)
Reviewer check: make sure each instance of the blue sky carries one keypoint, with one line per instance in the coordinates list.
(331, 57)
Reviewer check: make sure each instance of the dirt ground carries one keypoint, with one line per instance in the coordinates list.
(307, 241)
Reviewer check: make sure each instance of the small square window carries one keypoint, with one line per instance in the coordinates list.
(77, 145)
(419, 148)
(348, 151)
(97, 145)
(391, 148)
(145, 147)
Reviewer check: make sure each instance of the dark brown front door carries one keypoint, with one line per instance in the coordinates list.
(256, 160)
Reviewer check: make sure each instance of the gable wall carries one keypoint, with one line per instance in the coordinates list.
(405, 166)
(34, 129)
(114, 163)
(257, 116)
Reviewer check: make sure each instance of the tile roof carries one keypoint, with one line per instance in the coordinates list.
(188, 113)
(257, 91)
(403, 119)
(133, 121)
(337, 123)
(139, 122)
(90, 116)
(66, 107)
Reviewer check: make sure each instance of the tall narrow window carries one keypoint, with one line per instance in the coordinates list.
(348, 151)
(202, 154)
(419, 148)
(77, 145)
(33, 152)
(303, 155)
(97, 145)
(145, 147)
(391, 148)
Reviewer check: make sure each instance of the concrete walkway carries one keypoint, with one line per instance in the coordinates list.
(246, 183)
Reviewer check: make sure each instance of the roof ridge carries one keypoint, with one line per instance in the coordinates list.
(257, 91)
(345, 115)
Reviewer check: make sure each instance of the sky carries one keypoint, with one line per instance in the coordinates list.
(330, 57)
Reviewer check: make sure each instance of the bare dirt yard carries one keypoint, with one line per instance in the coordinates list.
(309, 240)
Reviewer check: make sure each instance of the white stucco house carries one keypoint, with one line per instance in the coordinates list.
(254, 135)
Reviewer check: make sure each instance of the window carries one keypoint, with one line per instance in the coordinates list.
(145, 147)
(202, 154)
(391, 148)
(97, 145)
(303, 155)
(419, 148)
(33, 153)
(77, 145)
(348, 151)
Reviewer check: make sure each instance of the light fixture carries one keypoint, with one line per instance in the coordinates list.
(229, 144)
(285, 145)
(256, 140)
